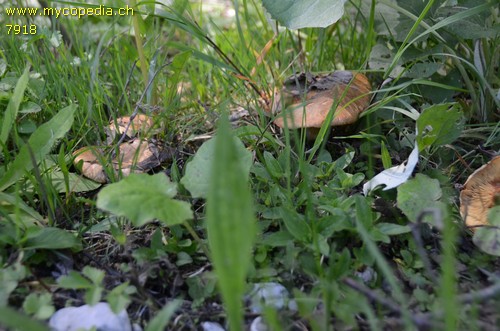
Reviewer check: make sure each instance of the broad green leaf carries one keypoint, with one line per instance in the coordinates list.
(16, 202)
(13, 107)
(438, 125)
(73, 280)
(197, 177)
(30, 108)
(422, 70)
(231, 223)
(143, 198)
(418, 194)
(273, 166)
(160, 321)
(487, 238)
(40, 143)
(76, 183)
(296, 14)
(295, 224)
(50, 238)
(14, 320)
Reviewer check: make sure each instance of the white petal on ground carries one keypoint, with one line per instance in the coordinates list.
(100, 317)
(211, 326)
(269, 294)
(258, 325)
(395, 176)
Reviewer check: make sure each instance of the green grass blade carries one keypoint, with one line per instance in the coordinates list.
(13, 107)
(230, 223)
(40, 142)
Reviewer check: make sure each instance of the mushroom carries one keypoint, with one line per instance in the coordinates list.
(134, 156)
(137, 156)
(480, 193)
(87, 161)
(348, 90)
(139, 123)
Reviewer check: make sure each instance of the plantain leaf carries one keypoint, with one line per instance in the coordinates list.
(231, 223)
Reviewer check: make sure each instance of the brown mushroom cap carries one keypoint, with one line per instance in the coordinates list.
(89, 157)
(321, 93)
(480, 193)
(140, 123)
(134, 156)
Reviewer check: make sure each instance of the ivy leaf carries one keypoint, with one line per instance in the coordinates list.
(296, 14)
(142, 198)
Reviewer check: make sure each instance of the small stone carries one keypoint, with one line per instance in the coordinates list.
(100, 317)
(258, 325)
(211, 326)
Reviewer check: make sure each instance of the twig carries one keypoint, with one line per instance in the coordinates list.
(417, 235)
(481, 295)
(136, 109)
(420, 320)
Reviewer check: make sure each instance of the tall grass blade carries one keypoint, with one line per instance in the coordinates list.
(41, 142)
(13, 107)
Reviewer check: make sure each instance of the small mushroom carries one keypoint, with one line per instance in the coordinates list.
(137, 156)
(306, 100)
(140, 123)
(134, 156)
(480, 193)
(87, 160)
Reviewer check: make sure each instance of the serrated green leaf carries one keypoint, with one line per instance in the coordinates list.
(94, 274)
(198, 171)
(231, 223)
(39, 305)
(296, 14)
(40, 142)
(142, 198)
